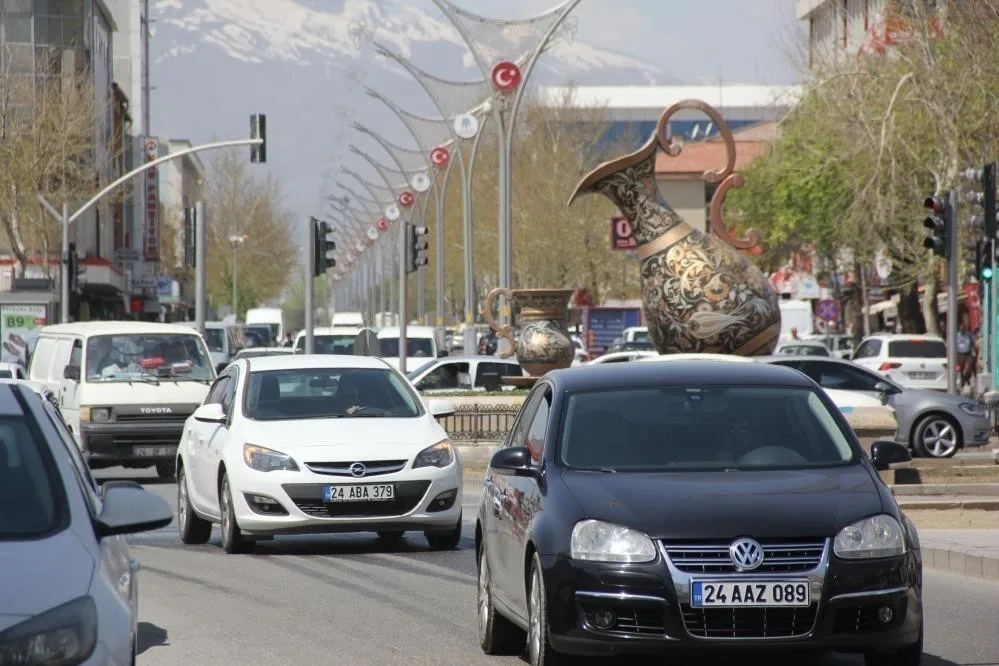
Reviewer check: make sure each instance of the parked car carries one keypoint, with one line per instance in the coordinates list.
(932, 423)
(802, 348)
(912, 361)
(12, 371)
(311, 443)
(625, 513)
(462, 373)
(621, 357)
(70, 589)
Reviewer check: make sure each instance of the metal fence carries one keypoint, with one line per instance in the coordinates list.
(480, 423)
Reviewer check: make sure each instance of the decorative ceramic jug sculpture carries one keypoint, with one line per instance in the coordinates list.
(544, 342)
(699, 293)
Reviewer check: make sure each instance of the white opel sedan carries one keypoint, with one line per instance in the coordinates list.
(308, 444)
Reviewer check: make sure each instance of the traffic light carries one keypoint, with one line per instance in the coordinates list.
(73, 268)
(323, 246)
(190, 236)
(258, 130)
(940, 224)
(416, 247)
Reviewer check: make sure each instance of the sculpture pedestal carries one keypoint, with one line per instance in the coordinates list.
(520, 382)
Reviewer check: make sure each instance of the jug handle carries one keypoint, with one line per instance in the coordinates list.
(505, 331)
(726, 178)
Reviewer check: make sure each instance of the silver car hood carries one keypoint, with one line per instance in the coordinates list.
(36, 576)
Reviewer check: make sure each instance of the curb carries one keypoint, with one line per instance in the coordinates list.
(902, 490)
(964, 564)
(979, 504)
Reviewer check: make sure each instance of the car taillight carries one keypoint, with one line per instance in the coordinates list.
(889, 366)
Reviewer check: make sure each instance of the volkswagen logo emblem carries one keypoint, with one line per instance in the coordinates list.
(746, 554)
(358, 470)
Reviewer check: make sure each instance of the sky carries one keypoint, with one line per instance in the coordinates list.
(744, 41)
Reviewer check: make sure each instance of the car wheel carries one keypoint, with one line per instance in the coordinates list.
(497, 635)
(193, 528)
(166, 471)
(539, 649)
(911, 655)
(445, 540)
(936, 436)
(232, 537)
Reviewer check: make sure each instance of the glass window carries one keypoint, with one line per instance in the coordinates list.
(917, 349)
(6, 374)
(76, 354)
(72, 32)
(218, 390)
(444, 376)
(415, 347)
(329, 344)
(17, 6)
(147, 357)
(706, 427)
(869, 349)
(48, 30)
(17, 29)
(641, 336)
(315, 393)
(90, 488)
(20, 59)
(413, 374)
(215, 339)
(539, 426)
(518, 437)
(803, 350)
(229, 394)
(501, 369)
(30, 482)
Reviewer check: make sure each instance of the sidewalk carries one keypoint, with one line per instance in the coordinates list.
(972, 552)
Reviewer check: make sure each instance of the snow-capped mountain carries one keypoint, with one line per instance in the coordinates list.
(303, 63)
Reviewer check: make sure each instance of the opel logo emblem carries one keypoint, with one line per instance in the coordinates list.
(746, 554)
(358, 470)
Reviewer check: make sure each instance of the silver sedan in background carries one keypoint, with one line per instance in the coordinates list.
(933, 424)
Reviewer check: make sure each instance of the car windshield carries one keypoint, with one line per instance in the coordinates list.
(701, 428)
(803, 350)
(329, 344)
(322, 393)
(413, 374)
(257, 335)
(917, 349)
(28, 485)
(147, 357)
(415, 347)
(641, 336)
(215, 339)
(6, 374)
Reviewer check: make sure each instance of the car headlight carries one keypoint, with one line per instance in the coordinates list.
(597, 541)
(95, 414)
(440, 454)
(65, 635)
(263, 459)
(877, 536)
(972, 409)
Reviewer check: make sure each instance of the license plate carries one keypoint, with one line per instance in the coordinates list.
(757, 594)
(923, 375)
(154, 451)
(381, 492)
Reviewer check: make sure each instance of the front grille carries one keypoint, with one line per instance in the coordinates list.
(139, 438)
(309, 498)
(863, 618)
(634, 621)
(179, 419)
(748, 622)
(371, 467)
(779, 556)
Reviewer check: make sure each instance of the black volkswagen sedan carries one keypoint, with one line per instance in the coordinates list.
(714, 506)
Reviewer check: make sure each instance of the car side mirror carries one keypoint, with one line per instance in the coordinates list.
(441, 409)
(885, 453)
(210, 413)
(885, 390)
(128, 510)
(515, 460)
(71, 372)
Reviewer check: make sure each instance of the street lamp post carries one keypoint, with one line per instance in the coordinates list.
(236, 241)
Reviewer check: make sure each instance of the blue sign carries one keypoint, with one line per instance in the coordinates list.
(828, 310)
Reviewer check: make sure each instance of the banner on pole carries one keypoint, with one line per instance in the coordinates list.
(151, 188)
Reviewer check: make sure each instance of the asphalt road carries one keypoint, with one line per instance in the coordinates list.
(345, 600)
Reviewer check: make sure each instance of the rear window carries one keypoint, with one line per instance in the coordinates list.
(31, 504)
(917, 349)
(703, 427)
(329, 344)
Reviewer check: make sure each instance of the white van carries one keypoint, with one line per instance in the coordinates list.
(273, 318)
(329, 340)
(124, 388)
(421, 345)
(221, 341)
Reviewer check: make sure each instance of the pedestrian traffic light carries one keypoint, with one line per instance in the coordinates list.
(323, 246)
(416, 247)
(258, 130)
(940, 225)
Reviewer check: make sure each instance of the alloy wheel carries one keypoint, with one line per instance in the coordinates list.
(226, 509)
(939, 438)
(182, 502)
(484, 600)
(534, 611)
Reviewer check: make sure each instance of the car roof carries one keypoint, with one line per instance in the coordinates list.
(474, 357)
(87, 328)
(625, 375)
(313, 361)
(411, 332)
(332, 330)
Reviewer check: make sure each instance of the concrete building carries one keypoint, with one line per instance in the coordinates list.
(181, 184)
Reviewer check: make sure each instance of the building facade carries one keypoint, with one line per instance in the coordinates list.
(181, 184)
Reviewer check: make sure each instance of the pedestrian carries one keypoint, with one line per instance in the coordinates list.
(287, 342)
(965, 346)
(794, 333)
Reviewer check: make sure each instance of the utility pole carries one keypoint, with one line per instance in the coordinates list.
(200, 273)
(403, 295)
(952, 278)
(310, 276)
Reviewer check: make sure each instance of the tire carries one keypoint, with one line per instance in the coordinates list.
(166, 471)
(445, 540)
(936, 436)
(233, 541)
(911, 655)
(193, 528)
(497, 635)
(539, 648)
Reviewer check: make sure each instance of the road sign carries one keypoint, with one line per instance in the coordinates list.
(506, 76)
(406, 199)
(622, 237)
(466, 126)
(125, 255)
(828, 310)
(421, 183)
(439, 157)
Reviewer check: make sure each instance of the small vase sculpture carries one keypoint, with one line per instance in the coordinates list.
(544, 342)
(699, 293)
